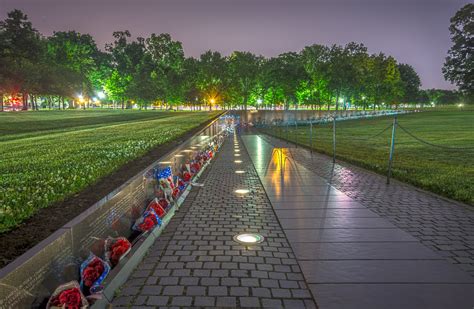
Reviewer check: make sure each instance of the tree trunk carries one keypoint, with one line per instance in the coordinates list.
(1, 102)
(25, 101)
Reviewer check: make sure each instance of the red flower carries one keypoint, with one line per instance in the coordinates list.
(92, 272)
(175, 192)
(118, 249)
(147, 224)
(196, 166)
(157, 208)
(187, 176)
(163, 202)
(70, 299)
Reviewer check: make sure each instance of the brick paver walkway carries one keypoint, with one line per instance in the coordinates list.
(446, 227)
(196, 262)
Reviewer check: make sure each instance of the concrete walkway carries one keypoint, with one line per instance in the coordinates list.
(196, 263)
(350, 256)
(445, 226)
(322, 247)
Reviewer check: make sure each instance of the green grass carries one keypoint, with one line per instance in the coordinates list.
(46, 157)
(444, 171)
(27, 124)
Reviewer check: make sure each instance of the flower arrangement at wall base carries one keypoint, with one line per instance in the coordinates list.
(67, 296)
(147, 221)
(116, 249)
(166, 188)
(93, 272)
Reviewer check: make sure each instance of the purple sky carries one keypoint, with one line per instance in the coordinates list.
(413, 31)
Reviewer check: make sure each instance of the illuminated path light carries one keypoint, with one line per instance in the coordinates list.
(166, 162)
(237, 154)
(237, 161)
(239, 172)
(242, 191)
(249, 238)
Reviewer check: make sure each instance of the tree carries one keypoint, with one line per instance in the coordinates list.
(21, 51)
(168, 60)
(410, 82)
(212, 79)
(120, 78)
(243, 72)
(79, 53)
(315, 60)
(459, 65)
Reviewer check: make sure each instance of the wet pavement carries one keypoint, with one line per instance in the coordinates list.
(322, 247)
(350, 256)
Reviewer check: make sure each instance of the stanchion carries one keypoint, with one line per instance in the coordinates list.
(392, 149)
(311, 137)
(334, 139)
(296, 134)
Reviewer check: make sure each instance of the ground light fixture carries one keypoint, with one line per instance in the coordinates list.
(236, 154)
(165, 162)
(239, 172)
(237, 161)
(242, 191)
(248, 238)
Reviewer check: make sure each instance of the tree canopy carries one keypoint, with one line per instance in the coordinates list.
(68, 69)
(459, 65)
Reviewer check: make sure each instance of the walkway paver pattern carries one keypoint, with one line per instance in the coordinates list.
(350, 256)
(445, 226)
(196, 262)
(334, 234)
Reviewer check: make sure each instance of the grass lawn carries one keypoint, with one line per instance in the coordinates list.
(444, 171)
(48, 156)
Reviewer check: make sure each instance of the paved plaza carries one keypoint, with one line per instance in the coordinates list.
(326, 244)
(445, 226)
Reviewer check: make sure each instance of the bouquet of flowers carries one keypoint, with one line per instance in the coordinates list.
(166, 187)
(176, 193)
(195, 166)
(181, 184)
(165, 181)
(164, 203)
(67, 296)
(116, 249)
(93, 272)
(186, 173)
(157, 207)
(147, 221)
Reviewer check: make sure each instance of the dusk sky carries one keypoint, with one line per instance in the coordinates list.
(413, 31)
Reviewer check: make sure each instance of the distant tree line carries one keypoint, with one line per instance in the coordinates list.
(68, 70)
